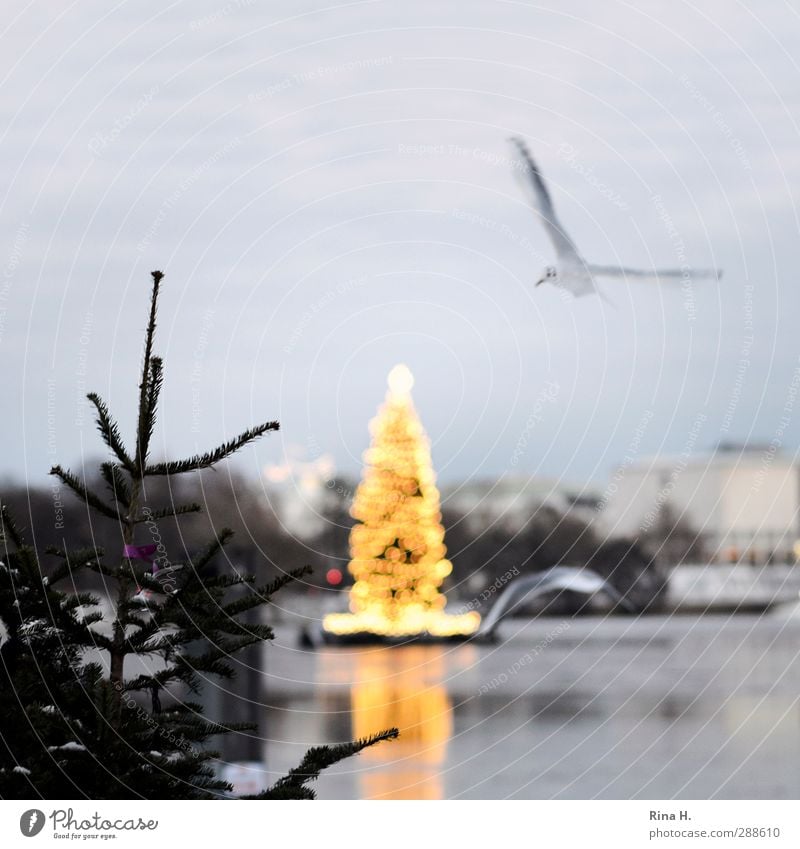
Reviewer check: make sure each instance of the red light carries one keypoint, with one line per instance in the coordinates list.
(334, 577)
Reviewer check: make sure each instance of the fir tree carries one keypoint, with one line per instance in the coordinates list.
(74, 724)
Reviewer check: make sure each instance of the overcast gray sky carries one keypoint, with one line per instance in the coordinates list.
(329, 190)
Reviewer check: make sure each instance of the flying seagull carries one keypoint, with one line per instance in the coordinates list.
(572, 272)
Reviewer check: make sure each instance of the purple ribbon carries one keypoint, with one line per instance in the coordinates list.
(141, 552)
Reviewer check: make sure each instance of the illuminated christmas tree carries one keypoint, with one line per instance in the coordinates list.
(397, 546)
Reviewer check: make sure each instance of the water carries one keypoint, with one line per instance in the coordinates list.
(678, 707)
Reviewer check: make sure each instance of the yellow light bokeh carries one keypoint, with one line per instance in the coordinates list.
(401, 381)
(397, 547)
(402, 688)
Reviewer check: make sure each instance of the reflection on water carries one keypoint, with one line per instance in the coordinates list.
(654, 708)
(399, 688)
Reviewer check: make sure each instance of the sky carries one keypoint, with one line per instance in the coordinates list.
(330, 191)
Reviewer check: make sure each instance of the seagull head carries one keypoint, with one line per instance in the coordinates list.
(549, 275)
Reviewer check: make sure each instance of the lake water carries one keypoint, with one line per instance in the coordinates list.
(657, 707)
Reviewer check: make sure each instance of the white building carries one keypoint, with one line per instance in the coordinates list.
(744, 500)
(513, 499)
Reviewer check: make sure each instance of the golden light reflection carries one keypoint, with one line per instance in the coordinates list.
(397, 546)
(402, 688)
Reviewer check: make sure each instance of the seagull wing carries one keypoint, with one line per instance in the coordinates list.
(653, 274)
(543, 204)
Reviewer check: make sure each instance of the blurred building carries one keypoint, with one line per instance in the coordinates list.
(743, 501)
(513, 499)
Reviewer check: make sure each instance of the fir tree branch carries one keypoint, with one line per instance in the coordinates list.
(90, 618)
(166, 512)
(8, 527)
(318, 758)
(73, 602)
(112, 475)
(206, 461)
(83, 558)
(212, 662)
(155, 385)
(286, 792)
(155, 380)
(79, 557)
(85, 494)
(146, 681)
(263, 594)
(212, 549)
(100, 641)
(147, 631)
(145, 427)
(266, 591)
(109, 430)
(187, 717)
